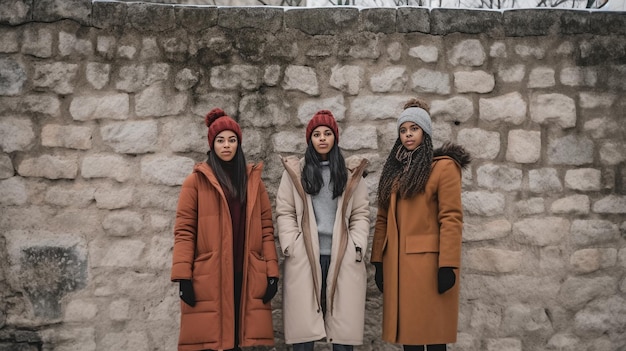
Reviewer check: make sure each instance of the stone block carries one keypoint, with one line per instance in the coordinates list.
(447, 21)
(16, 134)
(499, 177)
(49, 166)
(378, 20)
(510, 108)
(12, 76)
(474, 82)
(122, 223)
(323, 21)
(359, 137)
(583, 179)
(196, 18)
(152, 17)
(13, 192)
(456, 109)
(59, 77)
(135, 137)
(575, 204)
(20, 11)
(348, 78)
(543, 231)
(428, 81)
(65, 196)
(483, 203)
(570, 150)
(71, 137)
(493, 260)
(111, 197)
(413, 19)
(541, 77)
(106, 166)
(468, 52)
(55, 10)
(301, 78)
(167, 170)
(523, 146)
(480, 143)
(390, 79)
(486, 230)
(259, 18)
(264, 110)
(544, 180)
(589, 232)
(6, 167)
(610, 204)
(426, 53)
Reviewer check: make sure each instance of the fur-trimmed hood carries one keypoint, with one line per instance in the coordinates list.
(454, 151)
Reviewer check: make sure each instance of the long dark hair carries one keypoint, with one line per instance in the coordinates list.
(231, 175)
(312, 180)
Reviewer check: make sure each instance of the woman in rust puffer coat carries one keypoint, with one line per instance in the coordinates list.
(224, 254)
(417, 239)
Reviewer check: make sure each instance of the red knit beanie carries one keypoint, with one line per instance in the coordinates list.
(322, 118)
(218, 121)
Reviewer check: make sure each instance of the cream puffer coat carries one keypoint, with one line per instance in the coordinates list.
(347, 278)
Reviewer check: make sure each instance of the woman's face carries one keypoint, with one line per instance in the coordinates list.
(225, 145)
(323, 140)
(411, 135)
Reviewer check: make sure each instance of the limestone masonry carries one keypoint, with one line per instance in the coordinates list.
(101, 118)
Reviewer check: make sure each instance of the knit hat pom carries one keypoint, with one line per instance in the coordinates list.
(213, 115)
(325, 112)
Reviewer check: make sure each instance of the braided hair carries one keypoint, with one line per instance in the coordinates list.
(406, 171)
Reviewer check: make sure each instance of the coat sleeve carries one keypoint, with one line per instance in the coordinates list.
(450, 214)
(360, 217)
(185, 229)
(286, 216)
(380, 236)
(269, 247)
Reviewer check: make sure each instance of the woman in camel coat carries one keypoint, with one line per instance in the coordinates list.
(224, 256)
(417, 240)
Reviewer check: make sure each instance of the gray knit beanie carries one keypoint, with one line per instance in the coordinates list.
(418, 116)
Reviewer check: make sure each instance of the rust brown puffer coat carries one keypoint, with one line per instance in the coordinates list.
(413, 238)
(203, 252)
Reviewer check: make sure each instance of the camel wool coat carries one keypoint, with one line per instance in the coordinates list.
(413, 238)
(347, 277)
(203, 252)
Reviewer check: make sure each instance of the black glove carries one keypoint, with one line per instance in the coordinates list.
(378, 276)
(272, 288)
(445, 279)
(186, 292)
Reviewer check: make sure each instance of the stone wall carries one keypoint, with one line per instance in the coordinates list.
(101, 118)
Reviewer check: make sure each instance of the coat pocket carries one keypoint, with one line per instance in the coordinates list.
(257, 276)
(422, 243)
(205, 275)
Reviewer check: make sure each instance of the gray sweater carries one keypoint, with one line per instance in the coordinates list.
(325, 209)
